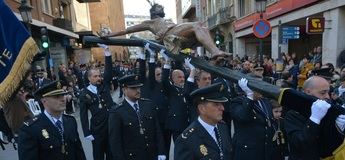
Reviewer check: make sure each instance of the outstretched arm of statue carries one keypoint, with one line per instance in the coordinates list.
(146, 25)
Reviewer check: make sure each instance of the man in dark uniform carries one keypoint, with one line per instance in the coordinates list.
(228, 91)
(317, 136)
(51, 135)
(252, 117)
(179, 113)
(207, 137)
(153, 90)
(134, 131)
(96, 98)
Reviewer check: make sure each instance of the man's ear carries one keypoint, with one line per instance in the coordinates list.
(307, 91)
(201, 107)
(43, 100)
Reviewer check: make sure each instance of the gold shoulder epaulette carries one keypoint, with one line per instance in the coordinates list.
(30, 121)
(145, 99)
(186, 133)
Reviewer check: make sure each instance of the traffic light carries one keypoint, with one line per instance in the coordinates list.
(44, 38)
(218, 39)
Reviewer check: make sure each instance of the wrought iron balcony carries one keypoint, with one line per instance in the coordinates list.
(88, 1)
(63, 23)
(212, 21)
(224, 15)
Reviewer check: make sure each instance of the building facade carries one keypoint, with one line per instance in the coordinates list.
(131, 20)
(292, 13)
(216, 15)
(56, 16)
(234, 19)
(82, 26)
(108, 13)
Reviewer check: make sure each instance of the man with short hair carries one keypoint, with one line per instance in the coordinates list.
(319, 135)
(96, 98)
(203, 79)
(207, 137)
(153, 90)
(41, 79)
(52, 134)
(134, 131)
(245, 67)
(252, 119)
(179, 112)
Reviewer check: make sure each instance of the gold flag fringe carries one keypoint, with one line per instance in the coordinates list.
(18, 70)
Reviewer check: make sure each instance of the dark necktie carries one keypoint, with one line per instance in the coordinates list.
(136, 107)
(219, 142)
(58, 124)
(137, 111)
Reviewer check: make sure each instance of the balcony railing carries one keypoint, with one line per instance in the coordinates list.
(63, 23)
(88, 1)
(212, 21)
(224, 15)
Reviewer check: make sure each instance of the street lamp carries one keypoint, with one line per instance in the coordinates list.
(25, 12)
(260, 8)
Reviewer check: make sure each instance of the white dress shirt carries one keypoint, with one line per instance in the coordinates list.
(209, 128)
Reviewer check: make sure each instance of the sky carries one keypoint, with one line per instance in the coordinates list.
(142, 7)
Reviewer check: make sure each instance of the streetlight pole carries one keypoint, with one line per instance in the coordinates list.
(25, 13)
(261, 8)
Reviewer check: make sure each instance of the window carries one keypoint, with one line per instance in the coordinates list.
(271, 1)
(225, 3)
(46, 7)
(241, 8)
(28, 1)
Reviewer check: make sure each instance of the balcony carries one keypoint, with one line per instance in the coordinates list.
(212, 21)
(188, 9)
(224, 15)
(63, 23)
(88, 1)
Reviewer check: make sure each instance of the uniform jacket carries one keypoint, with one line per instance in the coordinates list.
(98, 104)
(228, 92)
(40, 139)
(178, 114)
(126, 141)
(195, 143)
(308, 140)
(44, 82)
(253, 133)
(155, 92)
(302, 134)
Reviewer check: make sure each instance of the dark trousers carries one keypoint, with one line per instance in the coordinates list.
(167, 141)
(100, 147)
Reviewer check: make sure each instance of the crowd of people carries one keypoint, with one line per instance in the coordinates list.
(138, 108)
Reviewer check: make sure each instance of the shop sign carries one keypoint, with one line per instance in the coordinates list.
(315, 25)
(277, 9)
(291, 32)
